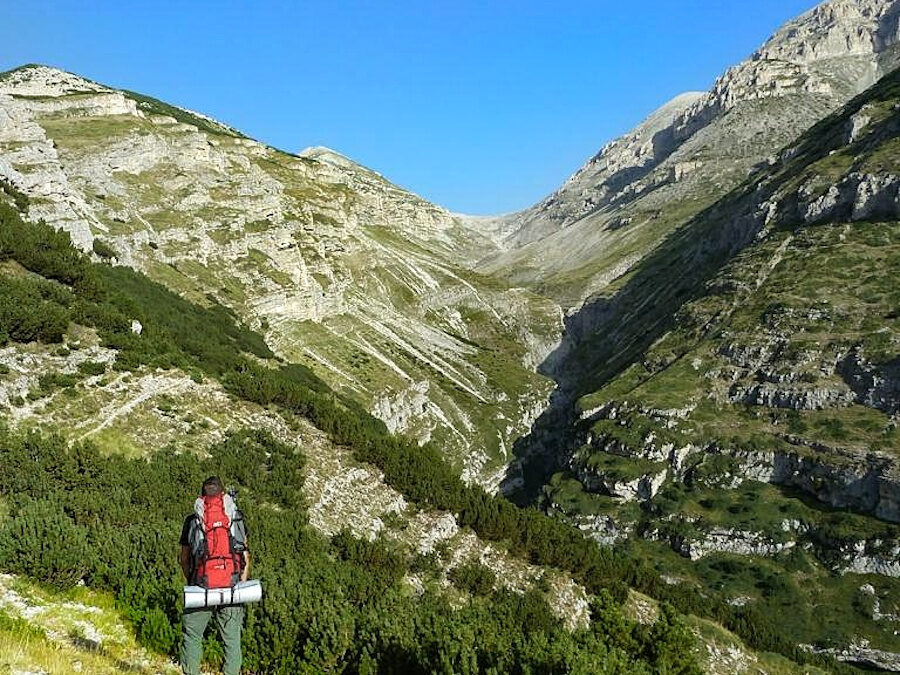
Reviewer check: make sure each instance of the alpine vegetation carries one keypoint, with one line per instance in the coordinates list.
(332, 603)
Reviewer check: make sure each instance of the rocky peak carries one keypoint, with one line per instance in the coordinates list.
(618, 163)
(825, 57)
(799, 56)
(644, 134)
(805, 55)
(38, 80)
(320, 153)
(833, 30)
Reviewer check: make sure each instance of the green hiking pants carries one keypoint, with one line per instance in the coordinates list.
(229, 619)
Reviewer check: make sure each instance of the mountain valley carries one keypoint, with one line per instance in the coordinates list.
(683, 366)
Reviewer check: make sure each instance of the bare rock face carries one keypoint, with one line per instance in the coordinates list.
(44, 81)
(602, 529)
(861, 653)
(858, 123)
(833, 46)
(835, 30)
(859, 196)
(875, 386)
(399, 409)
(618, 164)
(641, 488)
(729, 540)
(876, 196)
(33, 165)
(794, 398)
(868, 484)
(884, 560)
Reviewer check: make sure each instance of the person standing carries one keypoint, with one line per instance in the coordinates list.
(214, 554)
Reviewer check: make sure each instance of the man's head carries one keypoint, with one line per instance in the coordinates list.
(212, 486)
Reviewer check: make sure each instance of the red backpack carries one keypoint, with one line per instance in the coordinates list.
(219, 566)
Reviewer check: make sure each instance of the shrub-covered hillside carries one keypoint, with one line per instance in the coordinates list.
(74, 514)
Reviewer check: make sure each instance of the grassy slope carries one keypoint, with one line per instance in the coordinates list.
(832, 290)
(52, 631)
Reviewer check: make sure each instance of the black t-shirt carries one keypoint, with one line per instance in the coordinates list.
(186, 531)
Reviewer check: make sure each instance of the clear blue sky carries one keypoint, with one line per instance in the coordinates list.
(482, 107)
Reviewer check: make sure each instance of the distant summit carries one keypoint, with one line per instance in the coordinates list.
(695, 147)
(39, 80)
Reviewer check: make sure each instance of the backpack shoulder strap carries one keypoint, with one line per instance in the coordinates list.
(238, 532)
(194, 522)
(196, 536)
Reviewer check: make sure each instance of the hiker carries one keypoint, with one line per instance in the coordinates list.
(213, 555)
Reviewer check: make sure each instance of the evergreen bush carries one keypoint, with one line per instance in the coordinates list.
(41, 541)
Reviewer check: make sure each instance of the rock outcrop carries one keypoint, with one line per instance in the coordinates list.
(876, 557)
(863, 654)
(729, 540)
(877, 386)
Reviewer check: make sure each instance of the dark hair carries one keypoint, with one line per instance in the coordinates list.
(212, 486)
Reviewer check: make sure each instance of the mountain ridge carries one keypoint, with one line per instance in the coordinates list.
(343, 270)
(615, 205)
(765, 327)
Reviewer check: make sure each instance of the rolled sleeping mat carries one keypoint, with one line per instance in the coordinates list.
(241, 593)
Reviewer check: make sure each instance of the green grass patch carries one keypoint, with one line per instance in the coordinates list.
(568, 494)
(622, 469)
